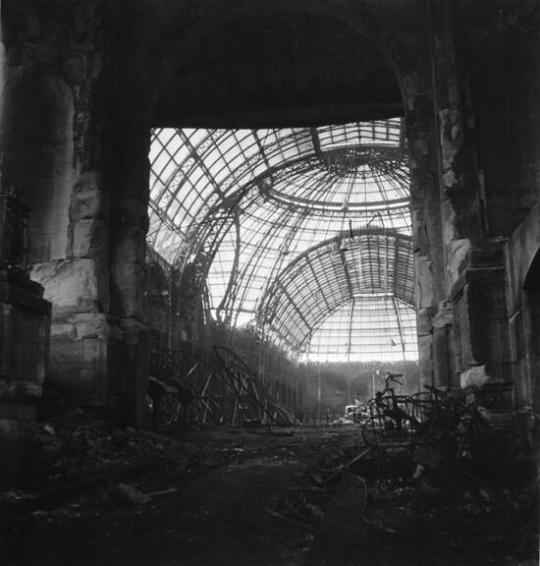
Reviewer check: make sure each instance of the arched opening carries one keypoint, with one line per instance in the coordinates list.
(282, 275)
(304, 157)
(284, 227)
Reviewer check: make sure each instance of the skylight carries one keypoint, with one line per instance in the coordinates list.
(251, 202)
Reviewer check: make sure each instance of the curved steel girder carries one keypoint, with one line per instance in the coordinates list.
(390, 161)
(206, 230)
(317, 283)
(396, 166)
(199, 231)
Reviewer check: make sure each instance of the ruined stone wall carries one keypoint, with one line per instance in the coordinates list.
(523, 299)
(82, 96)
(498, 48)
(485, 83)
(76, 147)
(52, 61)
(503, 69)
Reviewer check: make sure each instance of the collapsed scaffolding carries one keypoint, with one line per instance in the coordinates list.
(184, 389)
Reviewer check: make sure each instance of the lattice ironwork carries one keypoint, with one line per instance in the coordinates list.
(252, 203)
(184, 388)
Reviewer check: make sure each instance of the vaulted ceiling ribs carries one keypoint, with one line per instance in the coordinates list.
(321, 218)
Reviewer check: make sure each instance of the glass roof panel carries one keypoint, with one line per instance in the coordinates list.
(367, 329)
(296, 191)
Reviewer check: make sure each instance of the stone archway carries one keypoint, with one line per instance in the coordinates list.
(99, 334)
(407, 55)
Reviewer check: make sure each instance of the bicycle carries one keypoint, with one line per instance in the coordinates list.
(391, 419)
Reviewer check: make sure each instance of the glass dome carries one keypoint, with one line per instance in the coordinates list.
(251, 203)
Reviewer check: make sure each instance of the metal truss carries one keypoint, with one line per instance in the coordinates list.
(261, 205)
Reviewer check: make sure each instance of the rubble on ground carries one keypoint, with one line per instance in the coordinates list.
(86, 471)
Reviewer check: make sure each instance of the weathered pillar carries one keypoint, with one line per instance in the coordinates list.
(425, 211)
(79, 146)
(474, 271)
(126, 176)
(480, 320)
(443, 346)
(129, 208)
(54, 62)
(24, 314)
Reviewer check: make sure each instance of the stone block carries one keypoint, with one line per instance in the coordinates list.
(425, 285)
(424, 324)
(444, 315)
(489, 255)
(457, 259)
(129, 278)
(24, 331)
(425, 347)
(87, 200)
(91, 325)
(72, 286)
(425, 359)
(79, 370)
(63, 330)
(475, 376)
(88, 238)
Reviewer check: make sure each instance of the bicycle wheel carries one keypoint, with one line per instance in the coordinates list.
(371, 432)
(382, 431)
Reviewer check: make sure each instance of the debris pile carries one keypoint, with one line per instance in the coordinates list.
(107, 485)
(184, 388)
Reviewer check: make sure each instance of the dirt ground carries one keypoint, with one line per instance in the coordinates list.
(99, 495)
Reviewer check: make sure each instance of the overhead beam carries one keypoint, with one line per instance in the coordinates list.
(167, 116)
(316, 142)
(263, 153)
(347, 274)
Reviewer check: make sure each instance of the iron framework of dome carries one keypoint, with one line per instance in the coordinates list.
(288, 227)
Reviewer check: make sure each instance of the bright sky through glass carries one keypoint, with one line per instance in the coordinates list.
(251, 202)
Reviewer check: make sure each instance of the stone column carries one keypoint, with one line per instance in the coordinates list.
(445, 372)
(425, 212)
(474, 273)
(480, 314)
(55, 62)
(126, 177)
(80, 146)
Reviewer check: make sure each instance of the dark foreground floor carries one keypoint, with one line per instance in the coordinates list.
(252, 497)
